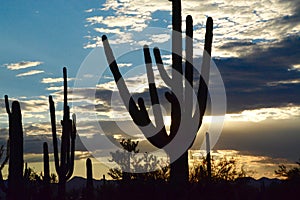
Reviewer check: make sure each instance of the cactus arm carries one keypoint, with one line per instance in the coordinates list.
(160, 66)
(73, 137)
(7, 104)
(139, 115)
(124, 92)
(65, 88)
(153, 91)
(177, 47)
(204, 78)
(54, 136)
(188, 99)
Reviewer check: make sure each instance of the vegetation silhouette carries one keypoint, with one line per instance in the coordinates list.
(211, 179)
(143, 168)
(292, 174)
(180, 96)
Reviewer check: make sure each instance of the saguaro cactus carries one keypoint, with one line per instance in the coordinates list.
(89, 179)
(46, 178)
(180, 97)
(65, 166)
(208, 158)
(89, 174)
(16, 161)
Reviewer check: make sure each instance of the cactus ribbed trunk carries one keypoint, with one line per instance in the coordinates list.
(16, 161)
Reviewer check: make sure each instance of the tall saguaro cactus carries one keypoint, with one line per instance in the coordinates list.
(65, 165)
(16, 161)
(180, 97)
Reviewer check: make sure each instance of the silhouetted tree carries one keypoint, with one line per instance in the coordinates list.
(144, 168)
(292, 174)
(223, 169)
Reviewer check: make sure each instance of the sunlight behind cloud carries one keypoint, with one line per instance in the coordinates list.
(262, 114)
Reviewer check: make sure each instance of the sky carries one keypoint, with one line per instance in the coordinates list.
(256, 49)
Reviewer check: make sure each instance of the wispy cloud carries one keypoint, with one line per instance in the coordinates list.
(22, 65)
(54, 80)
(258, 115)
(295, 67)
(32, 72)
(285, 82)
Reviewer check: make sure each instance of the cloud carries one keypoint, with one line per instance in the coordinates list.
(258, 115)
(89, 10)
(94, 20)
(22, 65)
(161, 38)
(263, 78)
(295, 67)
(124, 64)
(55, 80)
(285, 82)
(274, 138)
(256, 23)
(32, 72)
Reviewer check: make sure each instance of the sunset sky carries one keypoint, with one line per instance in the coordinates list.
(256, 48)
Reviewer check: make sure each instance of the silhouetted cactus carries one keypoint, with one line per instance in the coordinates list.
(65, 166)
(89, 179)
(16, 162)
(181, 100)
(89, 174)
(46, 178)
(208, 158)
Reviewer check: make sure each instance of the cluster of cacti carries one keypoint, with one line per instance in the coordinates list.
(65, 165)
(181, 100)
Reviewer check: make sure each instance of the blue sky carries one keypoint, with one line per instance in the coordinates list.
(256, 48)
